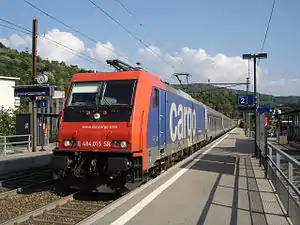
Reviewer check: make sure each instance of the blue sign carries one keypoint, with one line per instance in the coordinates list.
(250, 100)
(41, 103)
(245, 100)
(265, 110)
(33, 91)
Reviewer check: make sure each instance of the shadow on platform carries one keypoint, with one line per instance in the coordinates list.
(223, 159)
(226, 160)
(242, 147)
(216, 164)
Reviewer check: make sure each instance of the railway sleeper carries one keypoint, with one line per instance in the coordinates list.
(90, 204)
(66, 215)
(51, 221)
(79, 210)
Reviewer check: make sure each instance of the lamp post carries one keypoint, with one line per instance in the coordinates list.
(254, 57)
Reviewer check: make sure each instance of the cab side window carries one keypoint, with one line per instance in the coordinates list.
(155, 98)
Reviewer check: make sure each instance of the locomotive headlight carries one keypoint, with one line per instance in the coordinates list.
(120, 144)
(97, 116)
(123, 144)
(67, 143)
(116, 144)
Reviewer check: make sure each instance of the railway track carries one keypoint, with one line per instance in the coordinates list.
(33, 197)
(15, 184)
(69, 209)
(18, 174)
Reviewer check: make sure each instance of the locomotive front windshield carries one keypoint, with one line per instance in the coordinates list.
(114, 97)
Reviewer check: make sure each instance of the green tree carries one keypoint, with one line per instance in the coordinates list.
(7, 122)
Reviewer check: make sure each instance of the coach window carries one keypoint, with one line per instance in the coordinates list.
(155, 98)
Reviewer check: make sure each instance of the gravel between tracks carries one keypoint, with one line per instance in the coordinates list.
(73, 211)
(19, 204)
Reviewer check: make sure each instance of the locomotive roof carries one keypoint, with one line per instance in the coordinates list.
(106, 75)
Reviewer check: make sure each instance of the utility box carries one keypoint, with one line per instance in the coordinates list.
(22, 127)
(23, 124)
(282, 139)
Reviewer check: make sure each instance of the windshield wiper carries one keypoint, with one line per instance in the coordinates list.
(100, 97)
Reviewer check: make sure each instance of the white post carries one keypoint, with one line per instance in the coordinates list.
(277, 163)
(290, 176)
(4, 146)
(29, 143)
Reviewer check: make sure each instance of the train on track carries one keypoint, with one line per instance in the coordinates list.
(124, 127)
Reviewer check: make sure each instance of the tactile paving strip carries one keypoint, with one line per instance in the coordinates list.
(255, 202)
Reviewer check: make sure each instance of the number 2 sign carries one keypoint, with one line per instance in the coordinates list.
(242, 100)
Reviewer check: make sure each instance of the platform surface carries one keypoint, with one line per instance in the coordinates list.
(22, 152)
(220, 184)
(24, 161)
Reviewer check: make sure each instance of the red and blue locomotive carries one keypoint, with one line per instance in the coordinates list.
(126, 126)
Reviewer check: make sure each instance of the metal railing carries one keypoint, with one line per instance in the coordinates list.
(284, 172)
(5, 142)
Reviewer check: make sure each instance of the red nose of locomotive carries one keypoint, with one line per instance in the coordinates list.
(97, 115)
(95, 137)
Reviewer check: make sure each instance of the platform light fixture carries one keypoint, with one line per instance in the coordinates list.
(261, 55)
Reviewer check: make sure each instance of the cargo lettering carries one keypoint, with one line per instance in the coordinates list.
(186, 124)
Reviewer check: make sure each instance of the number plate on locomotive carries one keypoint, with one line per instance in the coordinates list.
(93, 143)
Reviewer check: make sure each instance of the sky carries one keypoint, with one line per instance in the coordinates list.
(205, 38)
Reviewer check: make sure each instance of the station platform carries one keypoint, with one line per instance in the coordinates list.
(219, 184)
(24, 161)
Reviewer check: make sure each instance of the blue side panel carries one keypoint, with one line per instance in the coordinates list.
(152, 128)
(185, 118)
(200, 116)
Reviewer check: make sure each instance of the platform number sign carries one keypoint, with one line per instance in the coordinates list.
(41, 103)
(242, 100)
